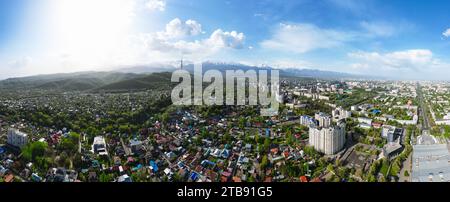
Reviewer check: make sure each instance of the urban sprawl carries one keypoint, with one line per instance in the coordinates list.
(326, 131)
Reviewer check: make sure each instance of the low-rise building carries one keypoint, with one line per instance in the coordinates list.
(99, 146)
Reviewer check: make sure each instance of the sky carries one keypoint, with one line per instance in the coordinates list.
(390, 38)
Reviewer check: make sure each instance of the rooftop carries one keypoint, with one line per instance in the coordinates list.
(431, 163)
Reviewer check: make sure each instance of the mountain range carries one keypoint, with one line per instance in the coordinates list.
(143, 77)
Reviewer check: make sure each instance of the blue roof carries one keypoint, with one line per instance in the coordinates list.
(95, 163)
(208, 162)
(376, 111)
(137, 167)
(154, 166)
(36, 178)
(194, 176)
(2, 150)
(225, 153)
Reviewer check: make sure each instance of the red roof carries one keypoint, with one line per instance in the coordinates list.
(303, 179)
(224, 179)
(376, 124)
(237, 179)
(274, 150)
(316, 180)
(9, 178)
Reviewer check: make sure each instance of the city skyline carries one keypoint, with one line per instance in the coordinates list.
(395, 39)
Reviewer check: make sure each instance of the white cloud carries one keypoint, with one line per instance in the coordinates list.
(167, 44)
(156, 5)
(446, 33)
(231, 39)
(301, 38)
(178, 29)
(408, 59)
(405, 64)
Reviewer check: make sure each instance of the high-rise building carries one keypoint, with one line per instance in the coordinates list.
(17, 138)
(307, 120)
(340, 113)
(323, 119)
(327, 138)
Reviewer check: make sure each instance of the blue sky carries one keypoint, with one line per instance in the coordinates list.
(394, 38)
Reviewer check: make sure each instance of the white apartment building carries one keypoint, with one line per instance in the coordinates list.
(323, 119)
(328, 140)
(365, 120)
(340, 113)
(307, 120)
(17, 138)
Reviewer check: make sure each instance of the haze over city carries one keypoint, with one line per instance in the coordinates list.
(393, 39)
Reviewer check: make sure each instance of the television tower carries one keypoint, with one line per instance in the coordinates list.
(181, 64)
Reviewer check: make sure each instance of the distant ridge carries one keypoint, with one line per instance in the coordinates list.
(222, 66)
(154, 81)
(144, 77)
(78, 81)
(287, 72)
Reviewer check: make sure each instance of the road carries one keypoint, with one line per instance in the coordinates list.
(407, 165)
(126, 149)
(290, 122)
(423, 110)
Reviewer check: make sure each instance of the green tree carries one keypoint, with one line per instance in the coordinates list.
(330, 168)
(266, 144)
(69, 145)
(371, 178)
(176, 177)
(198, 141)
(264, 162)
(105, 177)
(242, 122)
(384, 166)
(139, 176)
(226, 138)
(406, 173)
(165, 117)
(289, 138)
(36, 149)
(257, 138)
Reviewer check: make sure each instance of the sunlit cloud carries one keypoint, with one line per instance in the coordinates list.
(156, 5)
(446, 33)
